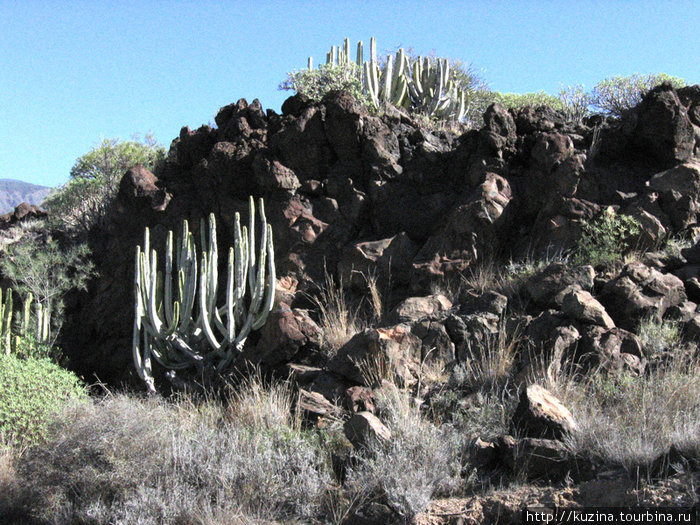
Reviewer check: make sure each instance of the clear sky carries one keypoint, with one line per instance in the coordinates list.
(74, 72)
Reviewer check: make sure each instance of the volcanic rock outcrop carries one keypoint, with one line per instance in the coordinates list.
(351, 193)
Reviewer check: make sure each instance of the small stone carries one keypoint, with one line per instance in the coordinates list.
(364, 427)
(540, 414)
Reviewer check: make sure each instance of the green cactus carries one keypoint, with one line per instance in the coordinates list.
(433, 93)
(423, 86)
(187, 328)
(6, 313)
(9, 340)
(389, 87)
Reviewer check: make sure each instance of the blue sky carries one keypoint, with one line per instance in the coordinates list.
(74, 72)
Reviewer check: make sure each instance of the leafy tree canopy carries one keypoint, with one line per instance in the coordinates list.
(82, 202)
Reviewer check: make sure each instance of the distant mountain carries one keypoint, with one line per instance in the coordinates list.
(14, 192)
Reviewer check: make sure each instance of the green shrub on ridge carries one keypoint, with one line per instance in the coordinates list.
(618, 94)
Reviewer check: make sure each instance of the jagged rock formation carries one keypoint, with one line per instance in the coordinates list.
(351, 192)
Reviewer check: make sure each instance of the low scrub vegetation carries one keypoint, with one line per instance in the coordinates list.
(420, 462)
(616, 95)
(32, 389)
(83, 201)
(129, 460)
(629, 422)
(607, 239)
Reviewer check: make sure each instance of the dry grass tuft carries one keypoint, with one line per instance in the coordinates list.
(420, 462)
(630, 421)
(338, 320)
(489, 367)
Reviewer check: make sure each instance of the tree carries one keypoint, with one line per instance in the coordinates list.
(48, 271)
(82, 202)
(618, 94)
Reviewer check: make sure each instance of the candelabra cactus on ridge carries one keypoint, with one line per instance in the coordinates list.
(422, 85)
(390, 87)
(433, 92)
(187, 328)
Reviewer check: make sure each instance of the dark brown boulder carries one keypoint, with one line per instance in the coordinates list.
(271, 175)
(663, 129)
(364, 428)
(499, 128)
(416, 308)
(343, 124)
(138, 189)
(545, 288)
(301, 144)
(193, 146)
(384, 259)
(640, 292)
(679, 193)
(314, 405)
(581, 306)
(394, 351)
(473, 230)
(436, 345)
(543, 118)
(558, 224)
(551, 149)
(22, 212)
(287, 332)
(360, 399)
(551, 349)
(542, 460)
(612, 350)
(473, 334)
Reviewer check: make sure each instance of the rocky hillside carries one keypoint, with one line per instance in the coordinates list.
(14, 192)
(351, 192)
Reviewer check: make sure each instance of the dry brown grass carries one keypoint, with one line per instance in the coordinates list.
(630, 421)
(489, 366)
(260, 404)
(131, 460)
(377, 300)
(338, 320)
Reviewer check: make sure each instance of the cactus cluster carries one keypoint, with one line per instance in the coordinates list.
(178, 321)
(422, 85)
(9, 340)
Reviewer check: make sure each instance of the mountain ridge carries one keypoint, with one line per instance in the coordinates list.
(13, 192)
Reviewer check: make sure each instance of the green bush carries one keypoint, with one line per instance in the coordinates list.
(576, 101)
(30, 391)
(316, 83)
(607, 238)
(617, 94)
(659, 337)
(521, 100)
(28, 347)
